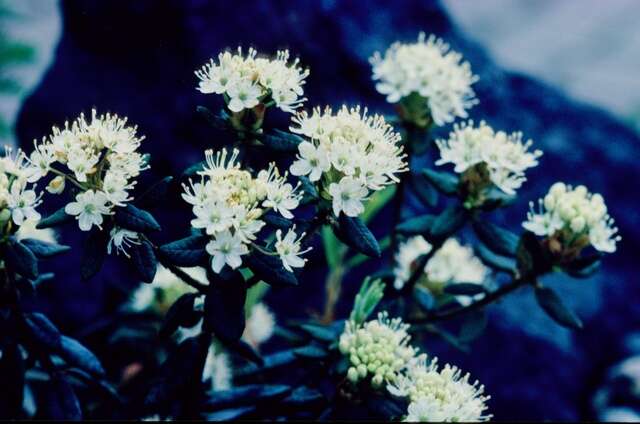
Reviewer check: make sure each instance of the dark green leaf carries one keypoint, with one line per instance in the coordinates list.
(43, 330)
(12, 368)
(417, 225)
(356, 235)
(443, 181)
(584, 267)
(270, 270)
(424, 298)
(193, 169)
(310, 351)
(21, 259)
(246, 395)
(226, 415)
(245, 350)
(180, 314)
(135, 219)
(144, 260)
(473, 326)
(532, 258)
(496, 198)
(156, 194)
(56, 218)
(501, 241)
(61, 401)
(304, 396)
(224, 307)
(424, 190)
(188, 251)
(216, 121)
(281, 141)
(94, 253)
(277, 221)
(272, 361)
(495, 261)
(320, 332)
(44, 249)
(553, 306)
(74, 353)
(464, 289)
(309, 189)
(448, 222)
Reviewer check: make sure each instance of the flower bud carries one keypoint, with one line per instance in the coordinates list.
(56, 185)
(362, 371)
(352, 375)
(577, 224)
(5, 215)
(549, 201)
(377, 380)
(558, 189)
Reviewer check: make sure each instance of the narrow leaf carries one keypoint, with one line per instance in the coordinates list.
(270, 269)
(189, 251)
(44, 249)
(281, 141)
(144, 260)
(445, 182)
(464, 289)
(180, 314)
(448, 222)
(553, 306)
(74, 353)
(55, 219)
(417, 225)
(224, 307)
(501, 241)
(21, 259)
(94, 253)
(135, 219)
(354, 233)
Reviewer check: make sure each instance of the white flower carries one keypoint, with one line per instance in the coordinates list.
(165, 289)
(288, 249)
(89, 208)
(243, 95)
(348, 196)
(22, 204)
(260, 325)
(406, 257)
(430, 69)
(506, 156)
(81, 163)
(312, 161)
(40, 160)
(213, 216)
(28, 230)
(443, 395)
(122, 239)
(455, 263)
(217, 368)
(226, 248)
(379, 349)
(249, 80)
(115, 186)
(281, 196)
(573, 213)
(348, 150)
(56, 185)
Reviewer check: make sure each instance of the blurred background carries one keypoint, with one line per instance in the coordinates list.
(563, 72)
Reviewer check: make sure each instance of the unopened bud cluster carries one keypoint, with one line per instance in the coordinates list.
(378, 349)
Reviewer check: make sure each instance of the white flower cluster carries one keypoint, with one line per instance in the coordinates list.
(430, 69)
(18, 195)
(350, 153)
(248, 81)
(505, 155)
(452, 263)
(228, 203)
(378, 348)
(101, 160)
(574, 214)
(439, 395)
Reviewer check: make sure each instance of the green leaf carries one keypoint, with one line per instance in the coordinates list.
(272, 361)
(496, 198)
(376, 202)
(93, 253)
(180, 314)
(355, 234)
(270, 269)
(417, 225)
(448, 222)
(43, 330)
(189, 251)
(193, 169)
(498, 239)
(60, 401)
(144, 260)
(333, 249)
(277, 221)
(464, 289)
(246, 395)
(553, 306)
(55, 219)
(444, 182)
(245, 350)
(309, 189)
(303, 397)
(21, 259)
(320, 332)
(44, 249)
(135, 219)
(370, 294)
(583, 267)
(282, 141)
(224, 307)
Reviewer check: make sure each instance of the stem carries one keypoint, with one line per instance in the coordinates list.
(316, 222)
(70, 178)
(333, 288)
(486, 300)
(202, 288)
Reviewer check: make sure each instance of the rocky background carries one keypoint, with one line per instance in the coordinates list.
(137, 59)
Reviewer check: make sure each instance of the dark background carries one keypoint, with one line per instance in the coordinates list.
(137, 58)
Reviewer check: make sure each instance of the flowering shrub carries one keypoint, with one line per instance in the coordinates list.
(205, 344)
